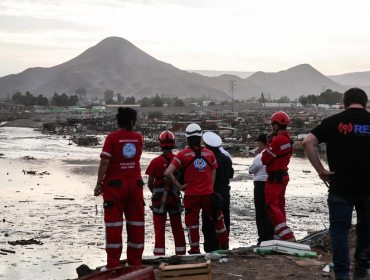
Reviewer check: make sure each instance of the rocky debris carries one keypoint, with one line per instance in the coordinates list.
(25, 242)
(83, 270)
(33, 172)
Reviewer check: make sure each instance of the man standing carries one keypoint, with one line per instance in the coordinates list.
(264, 226)
(199, 168)
(224, 173)
(347, 137)
(276, 158)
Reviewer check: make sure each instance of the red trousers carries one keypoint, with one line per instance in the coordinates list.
(124, 196)
(275, 207)
(193, 204)
(159, 221)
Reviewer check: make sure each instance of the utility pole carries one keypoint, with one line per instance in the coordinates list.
(231, 89)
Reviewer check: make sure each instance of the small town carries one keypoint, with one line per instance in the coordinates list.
(238, 126)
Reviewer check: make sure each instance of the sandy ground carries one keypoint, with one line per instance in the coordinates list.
(38, 207)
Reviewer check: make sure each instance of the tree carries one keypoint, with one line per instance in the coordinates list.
(303, 100)
(145, 102)
(42, 101)
(179, 103)
(284, 99)
(18, 98)
(120, 98)
(262, 99)
(331, 97)
(157, 101)
(129, 100)
(72, 100)
(81, 93)
(108, 95)
(312, 99)
(30, 100)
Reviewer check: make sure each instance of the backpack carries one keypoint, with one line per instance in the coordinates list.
(198, 154)
(169, 187)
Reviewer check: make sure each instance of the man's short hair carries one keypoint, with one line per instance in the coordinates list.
(355, 96)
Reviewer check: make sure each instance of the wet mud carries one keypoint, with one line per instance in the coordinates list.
(40, 207)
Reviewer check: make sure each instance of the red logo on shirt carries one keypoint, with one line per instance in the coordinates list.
(345, 128)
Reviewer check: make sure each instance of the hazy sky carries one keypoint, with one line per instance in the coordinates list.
(232, 35)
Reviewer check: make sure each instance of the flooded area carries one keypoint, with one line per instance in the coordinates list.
(57, 207)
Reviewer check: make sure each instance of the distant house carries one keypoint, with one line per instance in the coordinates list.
(283, 105)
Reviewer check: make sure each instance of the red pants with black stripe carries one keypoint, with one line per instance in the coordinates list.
(124, 196)
(193, 204)
(159, 221)
(275, 207)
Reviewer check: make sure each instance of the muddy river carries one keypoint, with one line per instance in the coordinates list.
(56, 205)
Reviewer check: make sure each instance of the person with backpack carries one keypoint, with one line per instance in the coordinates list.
(276, 157)
(166, 198)
(198, 166)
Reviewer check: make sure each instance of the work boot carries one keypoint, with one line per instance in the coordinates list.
(190, 252)
(360, 274)
(360, 271)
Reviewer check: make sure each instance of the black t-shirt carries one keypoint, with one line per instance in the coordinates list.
(347, 135)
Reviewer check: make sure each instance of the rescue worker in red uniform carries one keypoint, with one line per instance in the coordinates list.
(120, 182)
(276, 158)
(198, 166)
(166, 198)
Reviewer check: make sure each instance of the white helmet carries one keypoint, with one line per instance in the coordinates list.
(193, 130)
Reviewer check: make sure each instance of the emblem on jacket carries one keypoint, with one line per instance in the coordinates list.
(129, 150)
(200, 164)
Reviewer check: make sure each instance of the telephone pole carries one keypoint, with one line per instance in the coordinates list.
(231, 89)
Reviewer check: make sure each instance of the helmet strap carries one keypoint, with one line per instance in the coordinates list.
(276, 131)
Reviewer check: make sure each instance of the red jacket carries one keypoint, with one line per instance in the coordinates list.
(277, 155)
(198, 174)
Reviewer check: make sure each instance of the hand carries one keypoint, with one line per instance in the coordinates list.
(270, 136)
(325, 176)
(183, 187)
(98, 189)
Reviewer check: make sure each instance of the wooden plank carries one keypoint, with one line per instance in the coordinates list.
(185, 272)
(184, 266)
(200, 271)
(193, 277)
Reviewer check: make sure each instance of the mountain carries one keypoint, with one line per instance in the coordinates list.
(299, 80)
(113, 64)
(356, 79)
(214, 73)
(118, 65)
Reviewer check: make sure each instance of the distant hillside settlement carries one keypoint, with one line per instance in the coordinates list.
(238, 129)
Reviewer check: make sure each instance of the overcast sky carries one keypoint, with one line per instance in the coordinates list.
(231, 35)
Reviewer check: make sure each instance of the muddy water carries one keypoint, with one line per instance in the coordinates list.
(38, 206)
